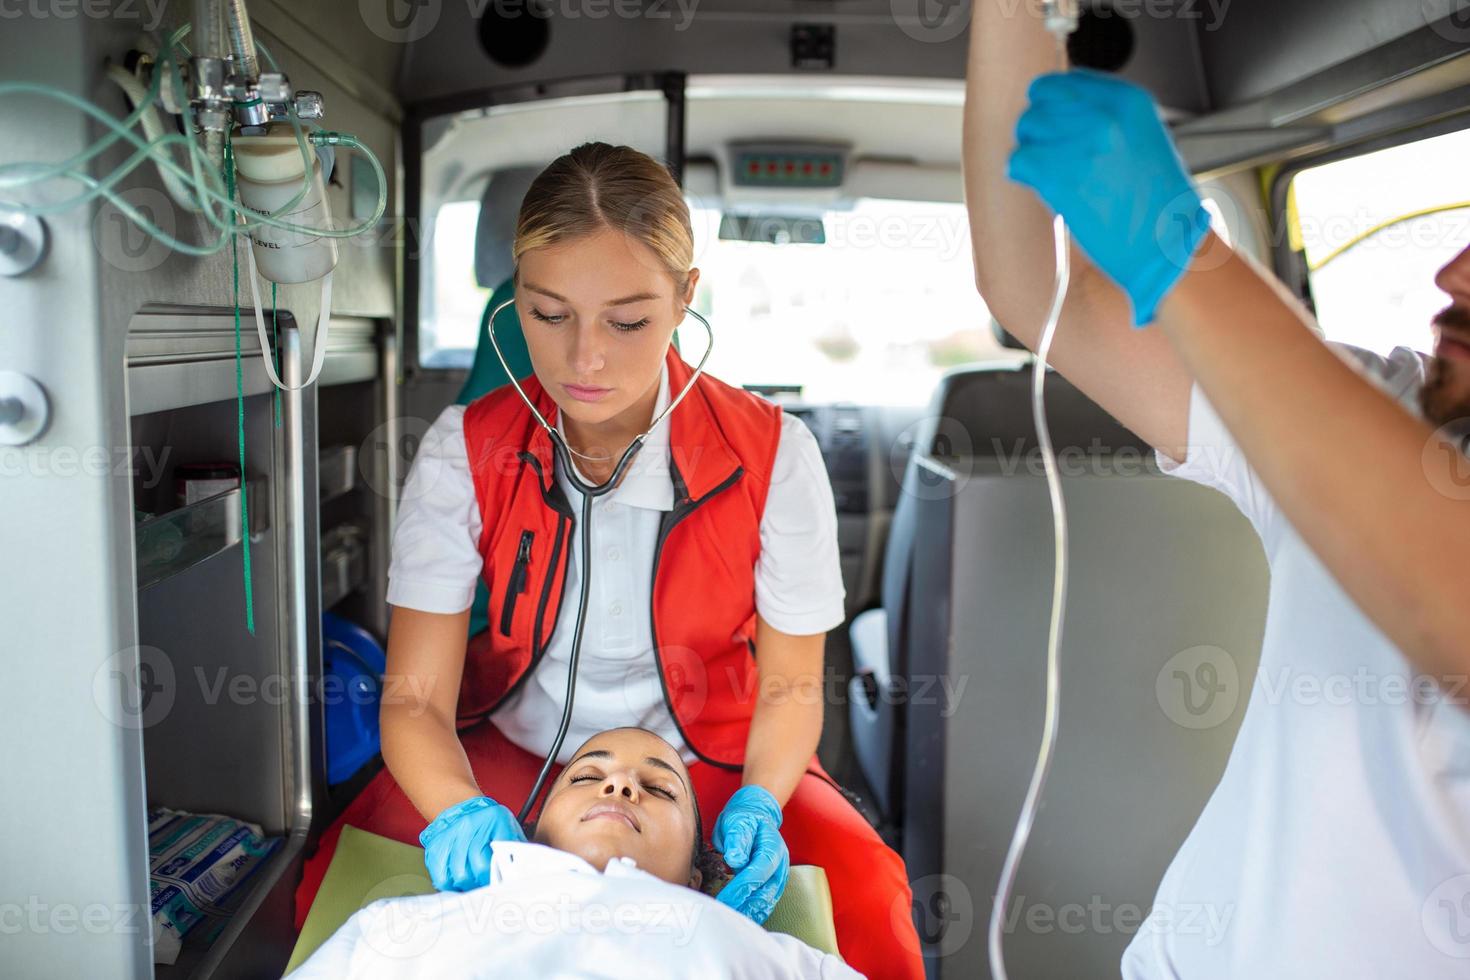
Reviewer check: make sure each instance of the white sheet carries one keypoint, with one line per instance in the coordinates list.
(547, 913)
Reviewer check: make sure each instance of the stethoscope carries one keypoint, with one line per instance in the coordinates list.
(589, 493)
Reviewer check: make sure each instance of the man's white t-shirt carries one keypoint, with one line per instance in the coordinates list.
(436, 562)
(1337, 844)
(548, 913)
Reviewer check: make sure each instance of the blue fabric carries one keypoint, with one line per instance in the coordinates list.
(458, 842)
(486, 374)
(356, 661)
(748, 835)
(1096, 150)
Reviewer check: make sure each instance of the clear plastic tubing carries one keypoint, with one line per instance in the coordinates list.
(1061, 23)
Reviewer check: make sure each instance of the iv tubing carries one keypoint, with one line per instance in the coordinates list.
(204, 190)
(1042, 769)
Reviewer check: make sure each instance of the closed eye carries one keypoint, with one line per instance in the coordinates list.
(665, 793)
(555, 318)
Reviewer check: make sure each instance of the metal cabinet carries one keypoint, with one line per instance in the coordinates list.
(228, 704)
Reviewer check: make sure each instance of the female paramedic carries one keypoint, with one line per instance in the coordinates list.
(713, 577)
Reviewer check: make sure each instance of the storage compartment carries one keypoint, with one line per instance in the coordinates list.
(216, 735)
(356, 502)
(232, 573)
(337, 471)
(226, 623)
(344, 563)
(176, 541)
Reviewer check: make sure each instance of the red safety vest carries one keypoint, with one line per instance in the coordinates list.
(722, 444)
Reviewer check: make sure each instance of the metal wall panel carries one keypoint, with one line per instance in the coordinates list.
(1262, 45)
(886, 38)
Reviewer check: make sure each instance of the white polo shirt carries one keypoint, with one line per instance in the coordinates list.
(548, 913)
(1337, 843)
(435, 564)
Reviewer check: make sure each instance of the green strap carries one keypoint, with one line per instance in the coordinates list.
(240, 400)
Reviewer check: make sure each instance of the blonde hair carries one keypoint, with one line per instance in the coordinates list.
(597, 186)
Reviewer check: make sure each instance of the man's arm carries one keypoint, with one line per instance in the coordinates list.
(1135, 375)
(1344, 462)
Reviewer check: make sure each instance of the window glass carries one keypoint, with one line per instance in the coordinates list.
(454, 304)
(1376, 228)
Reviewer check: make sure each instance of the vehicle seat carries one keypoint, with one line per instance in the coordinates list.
(1168, 585)
(981, 412)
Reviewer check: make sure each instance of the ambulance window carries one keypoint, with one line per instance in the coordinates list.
(874, 315)
(453, 302)
(460, 152)
(1375, 229)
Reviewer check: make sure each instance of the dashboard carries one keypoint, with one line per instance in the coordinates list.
(866, 449)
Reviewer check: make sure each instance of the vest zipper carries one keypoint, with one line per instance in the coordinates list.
(517, 584)
(538, 642)
(667, 526)
(681, 510)
(556, 500)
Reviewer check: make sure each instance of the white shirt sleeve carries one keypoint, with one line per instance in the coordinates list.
(1216, 460)
(436, 558)
(798, 578)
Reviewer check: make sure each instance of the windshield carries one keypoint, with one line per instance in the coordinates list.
(875, 315)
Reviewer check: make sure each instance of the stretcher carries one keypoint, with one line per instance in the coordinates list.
(367, 867)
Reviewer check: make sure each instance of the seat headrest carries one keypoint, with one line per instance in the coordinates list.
(496, 229)
(990, 409)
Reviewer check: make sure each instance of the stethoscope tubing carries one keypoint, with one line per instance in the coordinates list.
(589, 493)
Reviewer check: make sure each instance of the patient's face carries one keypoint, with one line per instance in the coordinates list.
(625, 794)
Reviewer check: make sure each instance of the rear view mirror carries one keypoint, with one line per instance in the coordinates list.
(773, 229)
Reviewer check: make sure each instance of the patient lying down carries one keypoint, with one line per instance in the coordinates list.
(609, 886)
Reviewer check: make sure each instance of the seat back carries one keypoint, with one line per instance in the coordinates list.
(1167, 587)
(981, 412)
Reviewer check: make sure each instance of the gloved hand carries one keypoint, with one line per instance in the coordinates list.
(457, 842)
(1097, 152)
(748, 834)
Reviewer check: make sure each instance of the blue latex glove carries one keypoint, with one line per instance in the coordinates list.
(748, 835)
(457, 843)
(1095, 149)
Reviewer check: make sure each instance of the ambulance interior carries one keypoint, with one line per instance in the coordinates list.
(819, 145)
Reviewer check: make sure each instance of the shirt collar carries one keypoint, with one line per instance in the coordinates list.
(648, 482)
(519, 860)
